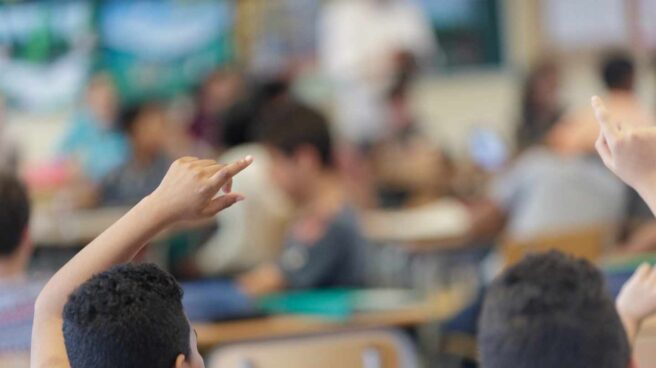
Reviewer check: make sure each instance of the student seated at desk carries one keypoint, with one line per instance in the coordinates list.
(551, 310)
(324, 246)
(18, 291)
(101, 311)
(145, 126)
(93, 141)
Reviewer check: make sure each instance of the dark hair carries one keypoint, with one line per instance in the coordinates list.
(618, 71)
(551, 310)
(536, 121)
(14, 213)
(241, 120)
(128, 316)
(130, 114)
(289, 126)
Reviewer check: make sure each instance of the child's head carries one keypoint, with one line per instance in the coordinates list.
(129, 316)
(145, 124)
(618, 72)
(15, 247)
(551, 310)
(300, 143)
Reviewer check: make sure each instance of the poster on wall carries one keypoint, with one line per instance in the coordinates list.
(45, 52)
(159, 48)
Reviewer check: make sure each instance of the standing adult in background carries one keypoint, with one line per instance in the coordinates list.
(541, 108)
(358, 45)
(92, 140)
(218, 92)
(577, 132)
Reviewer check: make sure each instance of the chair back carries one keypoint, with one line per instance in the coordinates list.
(586, 243)
(365, 349)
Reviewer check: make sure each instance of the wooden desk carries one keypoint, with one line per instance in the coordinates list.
(440, 224)
(433, 309)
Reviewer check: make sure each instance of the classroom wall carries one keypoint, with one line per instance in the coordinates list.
(448, 105)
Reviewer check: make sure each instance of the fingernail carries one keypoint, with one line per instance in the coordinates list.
(248, 158)
(239, 198)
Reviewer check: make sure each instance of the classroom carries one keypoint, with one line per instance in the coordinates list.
(328, 183)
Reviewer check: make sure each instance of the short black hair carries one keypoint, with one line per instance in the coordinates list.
(14, 213)
(618, 70)
(129, 115)
(551, 310)
(129, 316)
(290, 125)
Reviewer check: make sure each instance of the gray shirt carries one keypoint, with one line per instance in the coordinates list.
(336, 259)
(129, 183)
(544, 192)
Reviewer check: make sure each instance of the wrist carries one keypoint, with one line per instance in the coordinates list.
(647, 190)
(153, 208)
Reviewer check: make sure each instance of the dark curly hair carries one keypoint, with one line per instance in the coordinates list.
(551, 310)
(129, 316)
(14, 213)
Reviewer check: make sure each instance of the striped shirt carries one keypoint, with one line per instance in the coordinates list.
(17, 299)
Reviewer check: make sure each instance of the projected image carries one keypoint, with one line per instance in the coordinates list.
(158, 48)
(44, 44)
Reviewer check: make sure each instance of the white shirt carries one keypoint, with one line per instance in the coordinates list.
(357, 39)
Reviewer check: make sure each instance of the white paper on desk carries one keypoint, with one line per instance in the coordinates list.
(585, 24)
(443, 219)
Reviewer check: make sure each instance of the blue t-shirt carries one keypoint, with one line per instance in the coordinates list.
(98, 150)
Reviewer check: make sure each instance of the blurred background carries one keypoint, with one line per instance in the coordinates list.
(461, 130)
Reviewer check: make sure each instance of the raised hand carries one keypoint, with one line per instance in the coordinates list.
(637, 300)
(628, 150)
(190, 189)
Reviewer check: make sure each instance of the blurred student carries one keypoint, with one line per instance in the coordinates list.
(145, 125)
(218, 92)
(361, 65)
(407, 168)
(235, 248)
(541, 108)
(18, 291)
(92, 141)
(576, 133)
(551, 310)
(324, 246)
(101, 311)
(8, 149)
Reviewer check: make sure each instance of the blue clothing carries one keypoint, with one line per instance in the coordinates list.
(98, 150)
(212, 300)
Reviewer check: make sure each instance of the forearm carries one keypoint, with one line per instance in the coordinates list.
(631, 326)
(648, 193)
(118, 244)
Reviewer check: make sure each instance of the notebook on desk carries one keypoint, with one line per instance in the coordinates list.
(337, 304)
